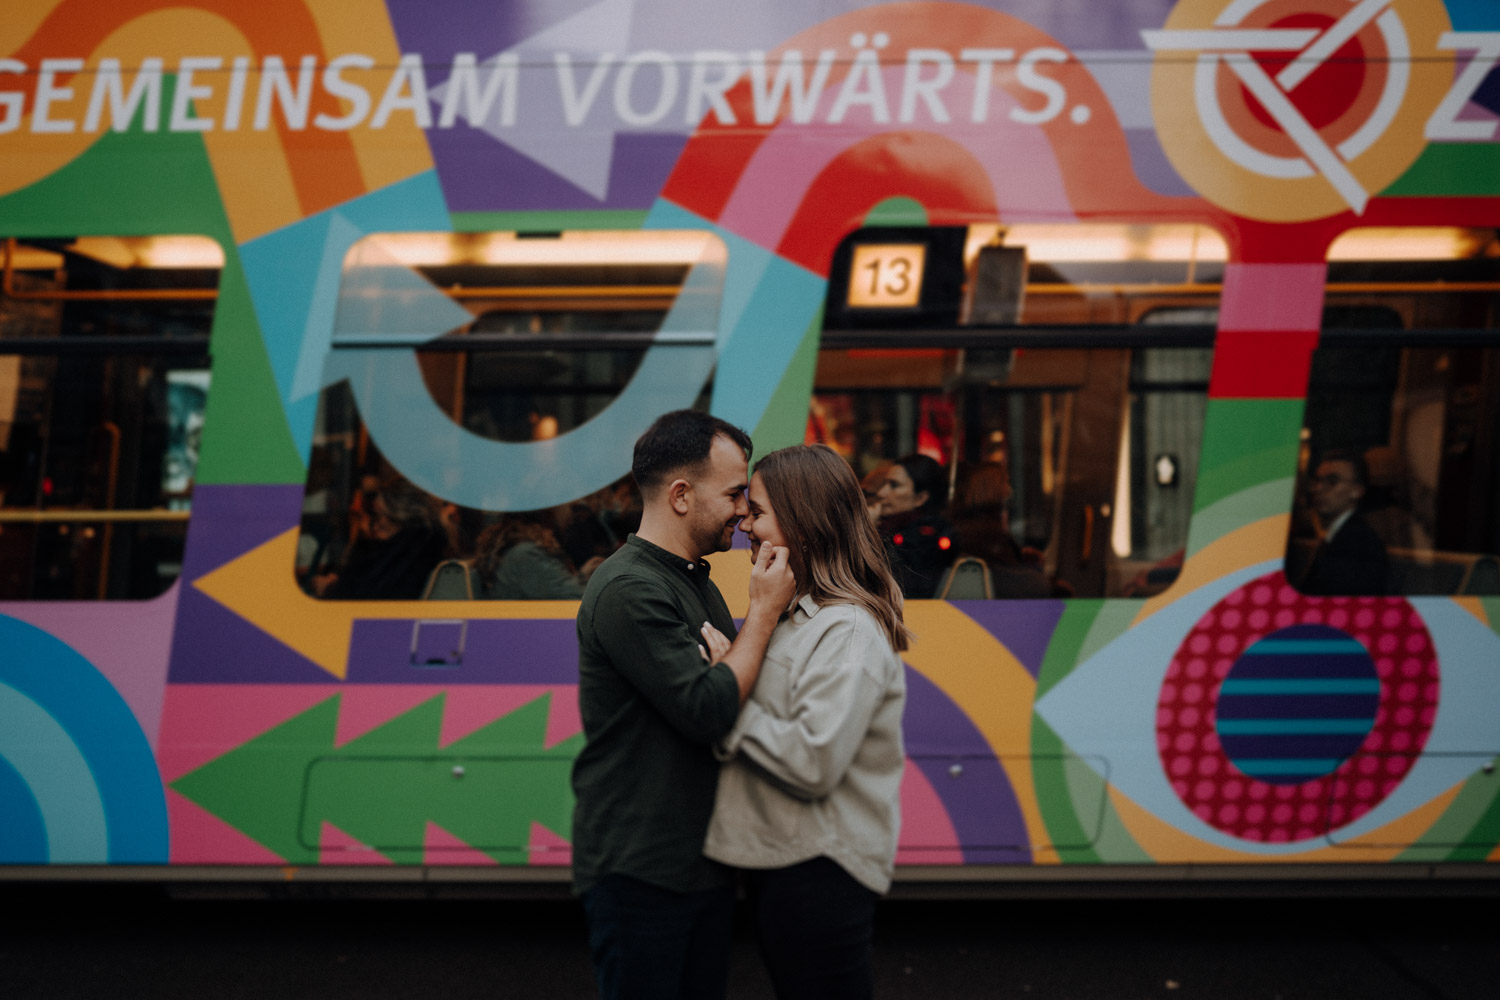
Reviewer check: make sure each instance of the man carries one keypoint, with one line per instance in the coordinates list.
(660, 913)
(1350, 558)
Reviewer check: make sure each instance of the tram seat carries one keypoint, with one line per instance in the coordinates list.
(1484, 577)
(1420, 571)
(451, 580)
(1424, 571)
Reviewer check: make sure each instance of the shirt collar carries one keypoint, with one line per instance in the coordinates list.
(696, 570)
(807, 605)
(1338, 523)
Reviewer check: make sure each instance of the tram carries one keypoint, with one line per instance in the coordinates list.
(281, 281)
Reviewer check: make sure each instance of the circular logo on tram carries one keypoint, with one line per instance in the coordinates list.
(1288, 110)
(1284, 717)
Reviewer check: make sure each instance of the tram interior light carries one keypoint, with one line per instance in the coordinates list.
(499, 249)
(121, 252)
(1045, 242)
(176, 252)
(1104, 243)
(1415, 243)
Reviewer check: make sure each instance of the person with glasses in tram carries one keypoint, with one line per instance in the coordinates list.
(1350, 559)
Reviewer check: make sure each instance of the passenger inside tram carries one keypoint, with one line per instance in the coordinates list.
(989, 561)
(1349, 557)
(397, 540)
(519, 558)
(914, 521)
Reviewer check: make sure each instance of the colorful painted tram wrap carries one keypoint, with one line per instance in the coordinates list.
(286, 280)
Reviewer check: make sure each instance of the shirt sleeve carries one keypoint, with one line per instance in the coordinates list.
(642, 631)
(834, 698)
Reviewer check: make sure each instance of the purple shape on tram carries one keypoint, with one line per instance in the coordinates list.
(979, 799)
(1023, 627)
(508, 651)
(211, 644)
(229, 521)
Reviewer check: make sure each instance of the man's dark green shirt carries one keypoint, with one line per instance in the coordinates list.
(652, 709)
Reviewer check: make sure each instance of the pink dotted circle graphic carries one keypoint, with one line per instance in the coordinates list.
(1335, 794)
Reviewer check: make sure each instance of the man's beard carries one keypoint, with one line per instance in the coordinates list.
(719, 539)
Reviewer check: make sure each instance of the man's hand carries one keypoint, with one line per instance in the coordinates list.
(772, 583)
(772, 587)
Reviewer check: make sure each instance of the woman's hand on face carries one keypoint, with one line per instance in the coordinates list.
(717, 643)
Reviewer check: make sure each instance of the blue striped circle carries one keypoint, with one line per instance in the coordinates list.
(1297, 703)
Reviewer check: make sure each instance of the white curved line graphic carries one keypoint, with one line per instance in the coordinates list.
(46, 758)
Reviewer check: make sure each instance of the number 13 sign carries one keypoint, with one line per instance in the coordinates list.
(886, 275)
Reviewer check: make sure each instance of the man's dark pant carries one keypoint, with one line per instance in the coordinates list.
(649, 943)
(815, 925)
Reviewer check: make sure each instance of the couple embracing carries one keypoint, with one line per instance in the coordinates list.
(774, 750)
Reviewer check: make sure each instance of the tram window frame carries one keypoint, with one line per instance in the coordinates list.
(1411, 406)
(115, 326)
(548, 347)
(1106, 324)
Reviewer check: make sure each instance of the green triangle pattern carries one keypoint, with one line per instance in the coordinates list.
(384, 787)
(257, 787)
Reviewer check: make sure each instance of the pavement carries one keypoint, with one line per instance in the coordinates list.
(65, 941)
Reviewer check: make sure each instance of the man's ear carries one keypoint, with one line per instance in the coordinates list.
(677, 495)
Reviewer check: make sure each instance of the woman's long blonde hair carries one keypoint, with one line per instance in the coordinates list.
(835, 551)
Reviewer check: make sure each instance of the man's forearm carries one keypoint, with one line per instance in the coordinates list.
(749, 647)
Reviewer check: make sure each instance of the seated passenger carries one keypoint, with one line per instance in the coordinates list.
(870, 486)
(598, 524)
(981, 522)
(519, 558)
(912, 523)
(392, 556)
(1350, 558)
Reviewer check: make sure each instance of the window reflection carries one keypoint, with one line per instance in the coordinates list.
(553, 326)
(104, 379)
(1402, 422)
(1093, 435)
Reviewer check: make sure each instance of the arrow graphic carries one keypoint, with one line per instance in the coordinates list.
(384, 788)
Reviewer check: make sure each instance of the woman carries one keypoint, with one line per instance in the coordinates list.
(981, 518)
(393, 555)
(921, 539)
(809, 797)
(870, 486)
(518, 558)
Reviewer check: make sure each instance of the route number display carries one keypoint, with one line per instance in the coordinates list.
(886, 275)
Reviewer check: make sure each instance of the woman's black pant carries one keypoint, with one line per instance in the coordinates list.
(814, 924)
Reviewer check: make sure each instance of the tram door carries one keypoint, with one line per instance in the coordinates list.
(1092, 385)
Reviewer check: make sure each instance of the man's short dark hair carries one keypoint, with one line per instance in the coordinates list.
(679, 441)
(1356, 460)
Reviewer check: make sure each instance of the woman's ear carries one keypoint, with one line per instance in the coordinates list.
(920, 499)
(677, 495)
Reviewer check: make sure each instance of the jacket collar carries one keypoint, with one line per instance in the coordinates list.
(807, 605)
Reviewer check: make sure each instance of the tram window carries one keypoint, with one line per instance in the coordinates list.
(1069, 435)
(512, 338)
(1401, 439)
(104, 376)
